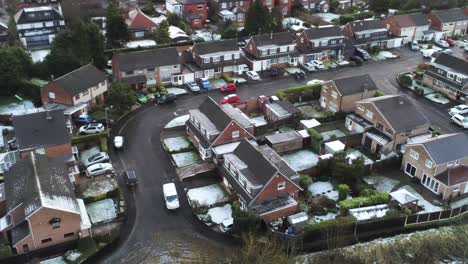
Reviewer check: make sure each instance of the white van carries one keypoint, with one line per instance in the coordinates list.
(170, 196)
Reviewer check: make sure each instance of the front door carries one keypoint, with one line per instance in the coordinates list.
(177, 79)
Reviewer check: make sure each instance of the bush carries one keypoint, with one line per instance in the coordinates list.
(379, 93)
(423, 66)
(305, 181)
(377, 198)
(343, 191)
(419, 74)
(303, 207)
(316, 139)
(305, 92)
(103, 144)
(367, 192)
(228, 78)
(405, 81)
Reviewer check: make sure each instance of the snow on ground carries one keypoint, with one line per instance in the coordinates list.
(141, 43)
(292, 70)
(217, 83)
(185, 158)
(437, 98)
(259, 121)
(219, 214)
(428, 207)
(328, 134)
(301, 160)
(22, 107)
(381, 183)
(207, 195)
(239, 80)
(329, 216)
(176, 143)
(176, 91)
(327, 16)
(100, 186)
(205, 35)
(101, 211)
(72, 255)
(459, 203)
(178, 121)
(39, 55)
(356, 153)
(323, 188)
(56, 260)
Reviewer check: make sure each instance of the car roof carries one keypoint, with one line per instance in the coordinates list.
(169, 188)
(130, 174)
(228, 221)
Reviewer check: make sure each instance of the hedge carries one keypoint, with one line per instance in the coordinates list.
(306, 92)
(228, 78)
(316, 139)
(87, 138)
(377, 198)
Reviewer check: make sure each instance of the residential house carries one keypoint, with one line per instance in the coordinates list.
(212, 124)
(440, 163)
(141, 69)
(215, 58)
(263, 182)
(341, 95)
(409, 27)
(366, 34)
(452, 22)
(42, 208)
(74, 10)
(320, 43)
(193, 11)
(386, 122)
(316, 5)
(3, 35)
(140, 25)
(448, 75)
(37, 26)
(234, 10)
(81, 89)
(269, 50)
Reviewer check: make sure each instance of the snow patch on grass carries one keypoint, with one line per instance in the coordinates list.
(185, 158)
(99, 187)
(72, 255)
(428, 207)
(176, 144)
(207, 195)
(178, 121)
(381, 183)
(176, 91)
(56, 260)
(323, 188)
(219, 214)
(301, 160)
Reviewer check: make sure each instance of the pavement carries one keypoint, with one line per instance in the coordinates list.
(154, 234)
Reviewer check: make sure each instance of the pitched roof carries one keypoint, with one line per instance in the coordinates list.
(147, 59)
(419, 19)
(399, 111)
(81, 79)
(139, 20)
(323, 32)
(364, 25)
(404, 20)
(453, 175)
(20, 232)
(451, 15)
(42, 129)
(280, 38)
(447, 148)
(214, 112)
(354, 84)
(216, 46)
(191, 2)
(452, 62)
(37, 14)
(39, 181)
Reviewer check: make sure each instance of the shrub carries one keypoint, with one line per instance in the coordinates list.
(343, 191)
(327, 114)
(367, 192)
(305, 181)
(405, 80)
(429, 46)
(379, 93)
(423, 66)
(316, 139)
(103, 144)
(407, 211)
(227, 78)
(305, 92)
(419, 74)
(377, 198)
(303, 207)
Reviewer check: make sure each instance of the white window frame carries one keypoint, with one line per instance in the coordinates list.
(369, 113)
(414, 154)
(281, 185)
(51, 95)
(450, 75)
(334, 94)
(284, 49)
(207, 60)
(264, 51)
(228, 57)
(235, 134)
(273, 51)
(428, 164)
(236, 55)
(459, 79)
(216, 58)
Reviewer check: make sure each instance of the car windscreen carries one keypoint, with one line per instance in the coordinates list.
(171, 198)
(93, 157)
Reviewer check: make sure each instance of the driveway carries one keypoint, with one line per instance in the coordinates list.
(152, 233)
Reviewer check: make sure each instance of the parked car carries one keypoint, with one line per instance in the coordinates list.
(226, 225)
(99, 157)
(427, 53)
(140, 97)
(230, 99)
(448, 51)
(343, 63)
(466, 48)
(105, 122)
(192, 86)
(98, 169)
(362, 53)
(460, 120)
(315, 81)
(91, 128)
(318, 64)
(275, 72)
(459, 109)
(118, 142)
(357, 60)
(252, 75)
(204, 83)
(83, 120)
(442, 43)
(450, 42)
(228, 87)
(130, 178)
(462, 43)
(308, 66)
(170, 196)
(299, 75)
(167, 99)
(414, 45)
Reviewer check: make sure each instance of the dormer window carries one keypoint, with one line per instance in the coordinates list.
(264, 52)
(206, 60)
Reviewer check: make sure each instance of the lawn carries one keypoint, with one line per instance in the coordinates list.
(176, 144)
(331, 126)
(185, 158)
(302, 159)
(207, 195)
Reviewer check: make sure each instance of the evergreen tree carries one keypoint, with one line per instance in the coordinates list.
(120, 97)
(258, 19)
(379, 6)
(276, 19)
(12, 33)
(116, 28)
(15, 67)
(162, 34)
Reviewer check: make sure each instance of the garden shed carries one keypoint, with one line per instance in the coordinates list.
(284, 142)
(334, 146)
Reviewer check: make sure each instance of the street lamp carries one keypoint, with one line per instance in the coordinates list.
(107, 121)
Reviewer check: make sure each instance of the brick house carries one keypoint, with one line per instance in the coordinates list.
(320, 43)
(341, 95)
(84, 86)
(212, 124)
(410, 27)
(448, 75)
(73, 10)
(452, 21)
(269, 50)
(42, 208)
(214, 58)
(440, 163)
(366, 34)
(193, 11)
(141, 69)
(266, 186)
(234, 10)
(140, 25)
(316, 5)
(386, 122)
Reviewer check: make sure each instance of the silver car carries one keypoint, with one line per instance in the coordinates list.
(96, 158)
(98, 169)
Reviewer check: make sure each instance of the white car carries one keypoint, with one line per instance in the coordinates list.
(170, 196)
(414, 45)
(315, 81)
(96, 158)
(308, 66)
(98, 169)
(91, 128)
(459, 109)
(317, 64)
(226, 225)
(253, 75)
(460, 120)
(442, 43)
(118, 142)
(427, 53)
(343, 63)
(462, 43)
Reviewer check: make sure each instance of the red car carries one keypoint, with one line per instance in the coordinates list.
(230, 99)
(229, 87)
(450, 42)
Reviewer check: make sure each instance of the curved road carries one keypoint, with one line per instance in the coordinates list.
(152, 233)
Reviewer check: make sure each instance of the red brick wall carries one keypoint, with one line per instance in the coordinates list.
(226, 135)
(283, 5)
(194, 9)
(27, 241)
(347, 31)
(435, 22)
(271, 189)
(251, 48)
(61, 96)
(60, 150)
(280, 213)
(394, 26)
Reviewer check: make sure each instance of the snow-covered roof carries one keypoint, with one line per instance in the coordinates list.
(310, 123)
(298, 218)
(85, 222)
(226, 13)
(226, 148)
(141, 43)
(402, 196)
(365, 213)
(175, 32)
(334, 146)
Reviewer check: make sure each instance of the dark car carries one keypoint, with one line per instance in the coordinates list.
(274, 72)
(362, 53)
(83, 120)
(130, 178)
(167, 99)
(299, 75)
(358, 60)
